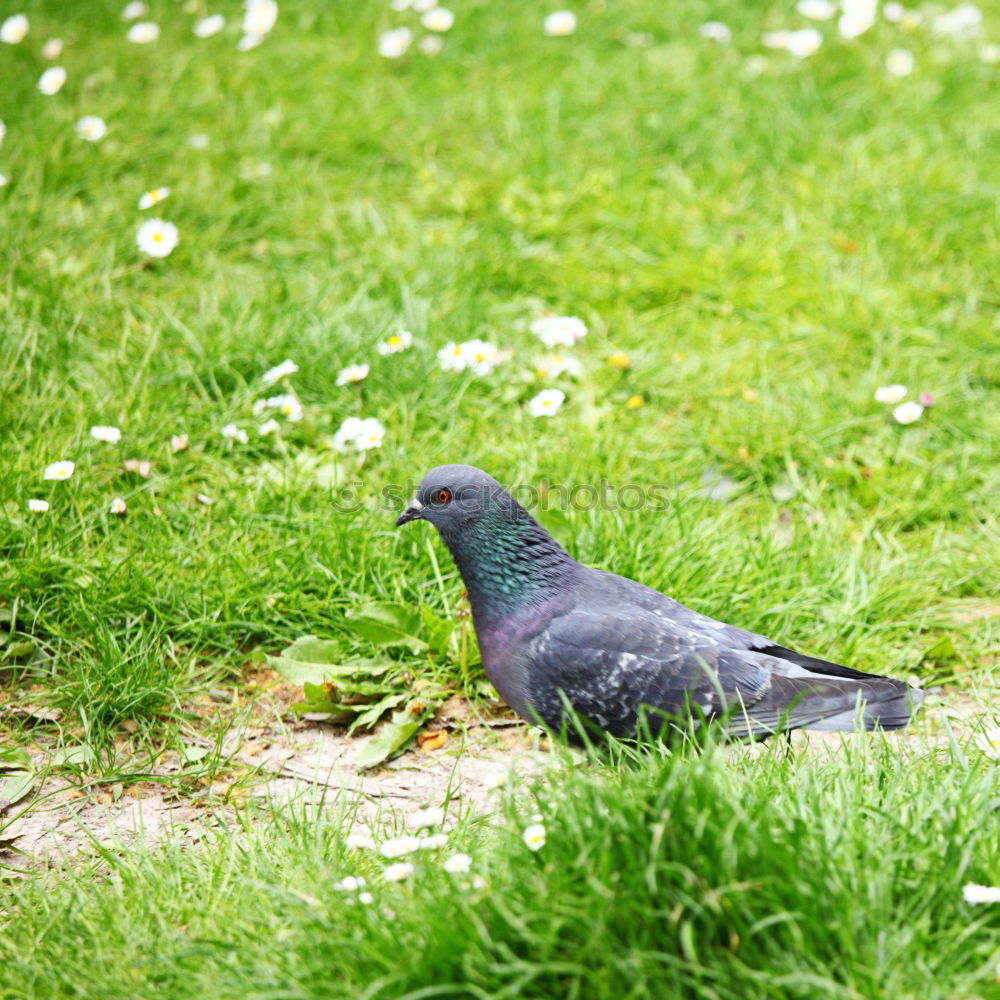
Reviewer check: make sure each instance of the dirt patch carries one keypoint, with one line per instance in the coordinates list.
(462, 762)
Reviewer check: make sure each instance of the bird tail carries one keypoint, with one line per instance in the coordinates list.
(892, 713)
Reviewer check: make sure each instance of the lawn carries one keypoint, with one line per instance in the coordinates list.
(754, 243)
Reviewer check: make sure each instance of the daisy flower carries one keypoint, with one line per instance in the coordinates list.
(178, 442)
(422, 6)
(907, 413)
(52, 80)
(990, 53)
(92, 128)
(59, 471)
(973, 893)
(278, 372)
(423, 818)
(209, 26)
(259, 17)
(366, 898)
(433, 841)
(102, 432)
(458, 864)
(804, 42)
(153, 197)
(287, 404)
(352, 373)
(559, 364)
(397, 847)
(893, 11)
(989, 743)
(157, 238)
(198, 141)
(559, 23)
(4, 180)
(370, 435)
(481, 357)
(438, 19)
(496, 780)
(393, 44)
(899, 62)
(351, 883)
(451, 358)
(546, 403)
(716, 31)
(430, 45)
(397, 872)
(3, 132)
(396, 343)
(269, 427)
(118, 507)
(534, 837)
(816, 10)
(133, 11)
(359, 842)
(52, 49)
(890, 393)
(347, 433)
(233, 433)
(13, 29)
(559, 331)
(143, 32)
(38, 506)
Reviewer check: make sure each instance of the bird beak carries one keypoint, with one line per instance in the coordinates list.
(414, 509)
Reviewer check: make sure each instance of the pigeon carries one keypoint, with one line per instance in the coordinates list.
(560, 640)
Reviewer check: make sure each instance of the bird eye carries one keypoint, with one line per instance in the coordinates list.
(442, 496)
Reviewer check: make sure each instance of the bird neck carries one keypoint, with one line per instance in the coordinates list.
(508, 562)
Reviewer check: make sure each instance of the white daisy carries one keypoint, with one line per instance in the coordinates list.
(559, 364)
(178, 442)
(269, 427)
(350, 883)
(13, 29)
(287, 404)
(990, 53)
(52, 49)
(370, 434)
(973, 893)
(133, 11)
(4, 180)
(458, 864)
(347, 434)
(534, 837)
(102, 432)
(248, 42)
(559, 23)
(558, 331)
(153, 197)
(893, 11)
(259, 17)
(278, 372)
(3, 132)
(52, 80)
(817, 10)
(233, 433)
(366, 898)
(423, 818)
(92, 128)
(433, 841)
(438, 19)
(907, 413)
(546, 403)
(962, 22)
(359, 842)
(157, 238)
(393, 44)
(989, 742)
(890, 393)
(118, 507)
(496, 780)
(59, 471)
(38, 506)
(451, 358)
(397, 342)
(899, 62)
(351, 374)
(397, 872)
(198, 141)
(422, 6)
(431, 45)
(481, 357)
(209, 26)
(716, 31)
(398, 847)
(804, 42)
(775, 39)
(400, 5)
(143, 32)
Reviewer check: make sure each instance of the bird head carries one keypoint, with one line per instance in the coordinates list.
(450, 496)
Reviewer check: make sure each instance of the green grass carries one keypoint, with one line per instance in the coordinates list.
(766, 249)
(685, 876)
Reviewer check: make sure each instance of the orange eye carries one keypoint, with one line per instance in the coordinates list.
(442, 496)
